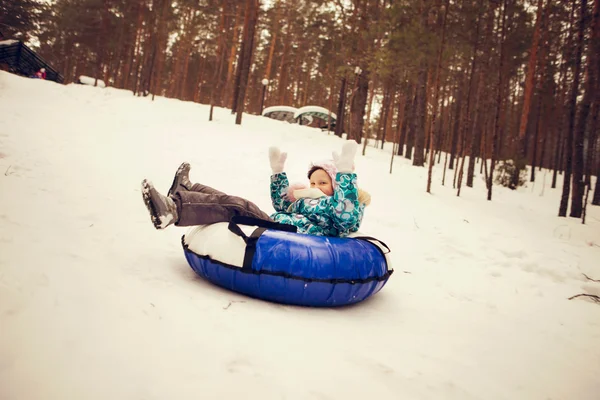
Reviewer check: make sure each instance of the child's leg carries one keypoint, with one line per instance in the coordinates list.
(181, 182)
(200, 188)
(198, 208)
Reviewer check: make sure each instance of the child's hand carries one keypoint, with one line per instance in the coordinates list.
(345, 162)
(277, 159)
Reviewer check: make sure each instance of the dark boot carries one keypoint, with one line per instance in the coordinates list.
(181, 181)
(163, 210)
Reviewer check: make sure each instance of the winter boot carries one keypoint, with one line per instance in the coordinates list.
(181, 181)
(163, 210)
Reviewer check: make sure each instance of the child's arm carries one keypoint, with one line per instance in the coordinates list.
(279, 180)
(279, 188)
(345, 208)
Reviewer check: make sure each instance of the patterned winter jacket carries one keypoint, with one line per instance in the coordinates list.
(336, 215)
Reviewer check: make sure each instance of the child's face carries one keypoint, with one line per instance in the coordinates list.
(321, 180)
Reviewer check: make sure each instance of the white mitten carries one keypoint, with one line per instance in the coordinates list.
(311, 193)
(345, 162)
(277, 159)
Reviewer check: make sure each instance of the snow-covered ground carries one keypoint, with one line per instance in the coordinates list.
(86, 80)
(97, 304)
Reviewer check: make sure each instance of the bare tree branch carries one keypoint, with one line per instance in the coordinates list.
(592, 296)
(339, 3)
(593, 280)
(231, 302)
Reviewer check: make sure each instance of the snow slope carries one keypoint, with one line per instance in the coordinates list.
(97, 304)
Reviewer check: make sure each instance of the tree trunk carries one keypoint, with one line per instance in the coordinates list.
(364, 45)
(444, 122)
(404, 128)
(148, 84)
(330, 107)
(283, 64)
(542, 95)
(467, 116)
(186, 64)
(383, 113)
(240, 59)
(484, 152)
(306, 87)
(538, 124)
(411, 124)
(548, 93)
(476, 128)
(273, 40)
(102, 46)
(521, 155)
(401, 108)
(388, 99)
(130, 64)
(230, 83)
(368, 120)
(456, 125)
(339, 123)
(419, 124)
(596, 199)
(584, 111)
(428, 100)
(183, 51)
(480, 102)
(358, 105)
(562, 111)
(218, 61)
(564, 201)
(594, 148)
(546, 132)
(296, 73)
(400, 119)
(436, 86)
(248, 45)
(592, 143)
(508, 108)
(390, 117)
(201, 72)
(282, 85)
(449, 119)
(421, 110)
(143, 62)
(161, 40)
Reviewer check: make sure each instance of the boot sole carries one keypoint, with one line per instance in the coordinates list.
(149, 205)
(175, 183)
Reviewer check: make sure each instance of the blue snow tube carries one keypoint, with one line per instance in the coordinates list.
(291, 268)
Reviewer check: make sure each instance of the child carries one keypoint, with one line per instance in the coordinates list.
(41, 74)
(330, 208)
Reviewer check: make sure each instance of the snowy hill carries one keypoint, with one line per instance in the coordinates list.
(97, 304)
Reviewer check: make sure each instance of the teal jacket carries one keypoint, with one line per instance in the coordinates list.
(337, 215)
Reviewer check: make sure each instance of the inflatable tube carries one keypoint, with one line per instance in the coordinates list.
(282, 266)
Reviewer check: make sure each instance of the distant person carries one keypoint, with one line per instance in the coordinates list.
(41, 74)
(332, 206)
